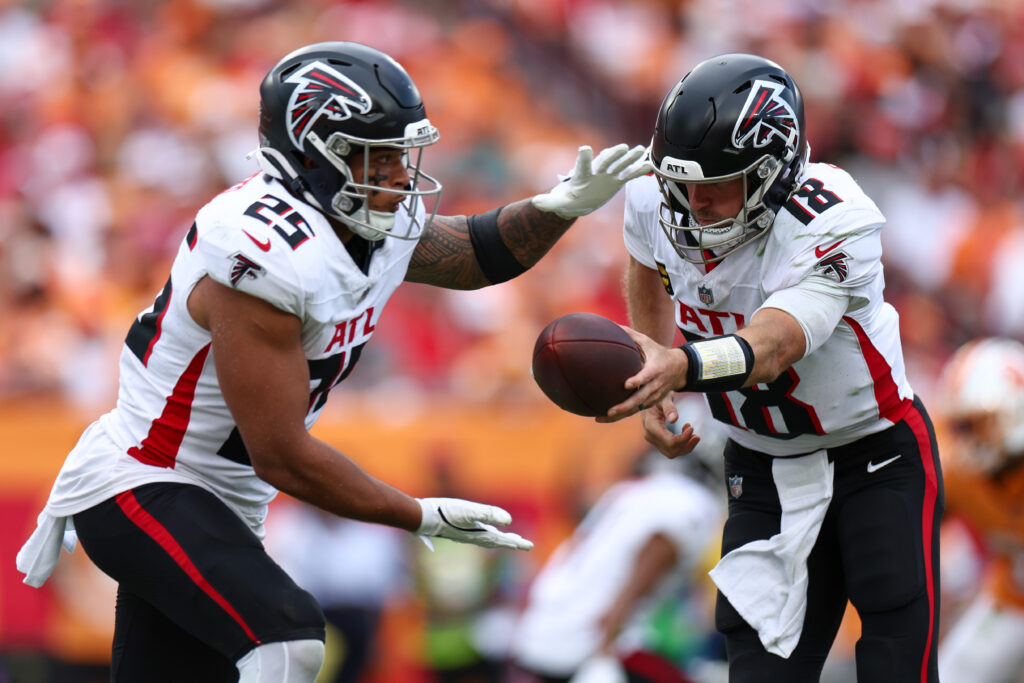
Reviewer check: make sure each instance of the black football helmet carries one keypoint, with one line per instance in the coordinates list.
(323, 103)
(735, 116)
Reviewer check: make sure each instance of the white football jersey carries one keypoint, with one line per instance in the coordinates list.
(171, 422)
(848, 385)
(560, 625)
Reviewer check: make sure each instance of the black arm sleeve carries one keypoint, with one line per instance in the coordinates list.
(496, 261)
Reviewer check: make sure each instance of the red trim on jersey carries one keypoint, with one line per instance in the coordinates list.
(732, 412)
(931, 492)
(887, 394)
(160, 447)
(159, 326)
(709, 265)
(149, 525)
(240, 185)
(769, 422)
(811, 413)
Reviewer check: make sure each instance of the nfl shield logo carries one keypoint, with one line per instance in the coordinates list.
(705, 295)
(736, 486)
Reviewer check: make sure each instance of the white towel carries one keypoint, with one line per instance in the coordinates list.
(39, 555)
(766, 580)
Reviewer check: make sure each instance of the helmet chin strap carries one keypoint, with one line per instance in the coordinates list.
(370, 225)
(276, 165)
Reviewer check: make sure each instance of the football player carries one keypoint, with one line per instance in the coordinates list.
(982, 388)
(276, 288)
(770, 267)
(587, 615)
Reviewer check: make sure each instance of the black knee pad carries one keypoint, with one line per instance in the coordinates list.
(880, 541)
(302, 610)
(879, 660)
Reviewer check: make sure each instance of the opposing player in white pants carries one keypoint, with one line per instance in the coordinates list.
(275, 290)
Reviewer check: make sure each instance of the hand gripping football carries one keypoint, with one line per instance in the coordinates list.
(581, 362)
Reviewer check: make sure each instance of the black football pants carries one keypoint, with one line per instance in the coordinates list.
(878, 548)
(196, 590)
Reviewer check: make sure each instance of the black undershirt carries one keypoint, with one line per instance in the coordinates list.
(361, 250)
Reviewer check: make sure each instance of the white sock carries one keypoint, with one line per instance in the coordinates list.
(290, 661)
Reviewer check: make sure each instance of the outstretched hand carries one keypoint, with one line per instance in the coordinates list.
(468, 522)
(669, 441)
(663, 372)
(594, 181)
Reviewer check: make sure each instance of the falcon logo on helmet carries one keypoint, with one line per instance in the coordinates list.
(322, 91)
(765, 115)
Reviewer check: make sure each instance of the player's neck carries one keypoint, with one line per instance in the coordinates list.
(343, 232)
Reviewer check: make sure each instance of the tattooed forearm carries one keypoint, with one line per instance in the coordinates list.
(529, 232)
(445, 256)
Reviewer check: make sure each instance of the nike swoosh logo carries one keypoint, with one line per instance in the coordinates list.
(264, 246)
(819, 252)
(872, 467)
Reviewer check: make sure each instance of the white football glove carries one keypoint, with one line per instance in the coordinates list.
(600, 669)
(468, 522)
(594, 181)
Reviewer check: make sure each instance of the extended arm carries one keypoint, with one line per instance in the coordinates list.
(775, 338)
(445, 256)
(460, 252)
(264, 377)
(651, 313)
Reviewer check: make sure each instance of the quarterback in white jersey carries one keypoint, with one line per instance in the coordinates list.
(826, 239)
(275, 290)
(770, 267)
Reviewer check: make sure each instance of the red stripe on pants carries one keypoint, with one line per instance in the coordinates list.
(931, 493)
(159, 533)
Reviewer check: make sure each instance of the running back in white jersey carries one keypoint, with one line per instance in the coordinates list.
(171, 422)
(828, 233)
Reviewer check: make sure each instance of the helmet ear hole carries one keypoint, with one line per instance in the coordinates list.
(304, 160)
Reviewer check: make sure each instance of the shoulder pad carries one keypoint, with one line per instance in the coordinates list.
(256, 238)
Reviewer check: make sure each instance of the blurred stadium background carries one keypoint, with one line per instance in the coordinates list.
(119, 118)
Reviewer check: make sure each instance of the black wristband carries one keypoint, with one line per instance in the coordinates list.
(718, 364)
(496, 261)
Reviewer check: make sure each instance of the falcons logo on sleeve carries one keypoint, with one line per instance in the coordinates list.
(834, 266)
(322, 91)
(243, 266)
(765, 115)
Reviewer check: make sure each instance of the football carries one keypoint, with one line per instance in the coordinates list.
(581, 362)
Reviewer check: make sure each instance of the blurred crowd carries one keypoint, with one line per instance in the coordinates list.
(120, 118)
